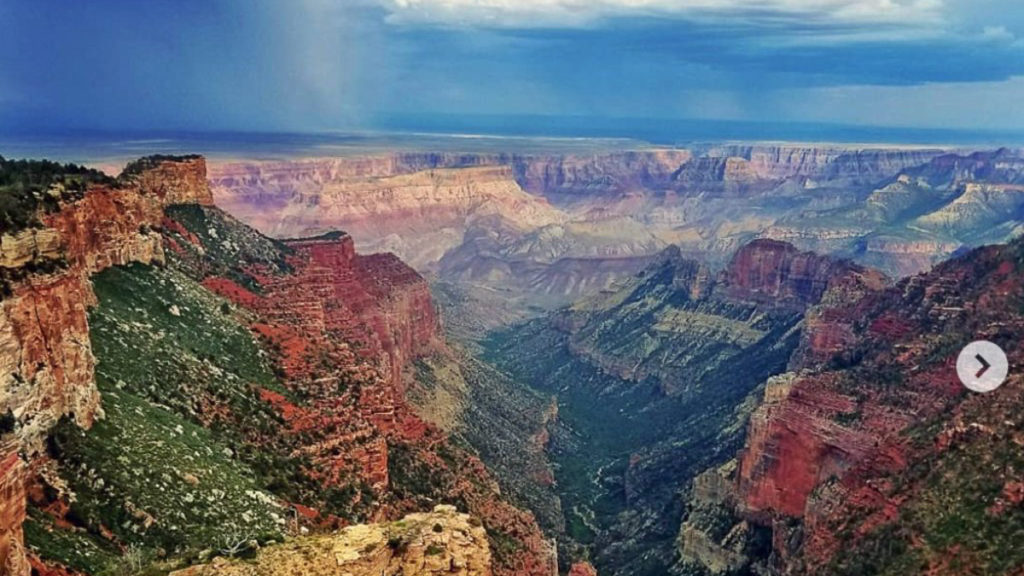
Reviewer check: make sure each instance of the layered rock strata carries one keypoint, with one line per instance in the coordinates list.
(438, 543)
(46, 362)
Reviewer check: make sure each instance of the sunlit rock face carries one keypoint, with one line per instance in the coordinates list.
(438, 543)
(418, 215)
(46, 361)
(13, 559)
(565, 226)
(342, 330)
(867, 445)
(345, 329)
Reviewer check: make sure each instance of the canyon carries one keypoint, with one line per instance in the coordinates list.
(559, 227)
(723, 359)
(149, 331)
(860, 456)
(656, 380)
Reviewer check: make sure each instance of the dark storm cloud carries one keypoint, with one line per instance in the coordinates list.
(323, 64)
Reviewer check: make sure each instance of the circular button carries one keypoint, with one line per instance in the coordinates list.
(982, 366)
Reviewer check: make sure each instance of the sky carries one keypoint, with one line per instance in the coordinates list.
(321, 65)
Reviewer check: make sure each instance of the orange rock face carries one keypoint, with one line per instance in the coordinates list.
(46, 361)
(832, 449)
(345, 326)
(777, 273)
(582, 569)
(12, 514)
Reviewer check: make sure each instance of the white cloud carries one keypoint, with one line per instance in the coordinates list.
(574, 13)
(997, 34)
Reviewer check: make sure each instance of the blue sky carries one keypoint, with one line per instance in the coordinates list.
(302, 65)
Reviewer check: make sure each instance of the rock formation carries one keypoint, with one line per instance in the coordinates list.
(565, 226)
(46, 363)
(679, 311)
(344, 329)
(582, 569)
(418, 215)
(859, 457)
(438, 543)
(341, 330)
(665, 369)
(13, 559)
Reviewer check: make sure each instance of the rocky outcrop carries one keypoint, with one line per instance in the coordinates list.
(46, 362)
(777, 274)
(13, 559)
(417, 215)
(47, 367)
(343, 330)
(377, 300)
(855, 446)
(180, 180)
(438, 543)
(28, 245)
(582, 569)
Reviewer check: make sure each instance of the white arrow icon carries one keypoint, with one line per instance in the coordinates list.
(982, 366)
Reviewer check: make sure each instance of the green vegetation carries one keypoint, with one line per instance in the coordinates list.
(76, 550)
(139, 166)
(230, 248)
(503, 546)
(187, 453)
(411, 477)
(498, 423)
(155, 479)
(163, 337)
(604, 421)
(29, 188)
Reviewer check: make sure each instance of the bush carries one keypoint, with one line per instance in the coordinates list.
(139, 166)
(25, 189)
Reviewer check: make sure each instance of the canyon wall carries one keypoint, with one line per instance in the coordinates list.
(565, 226)
(344, 329)
(655, 380)
(860, 456)
(47, 366)
(417, 215)
(46, 362)
(775, 273)
(301, 369)
(13, 559)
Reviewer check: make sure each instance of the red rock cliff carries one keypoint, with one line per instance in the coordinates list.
(831, 447)
(345, 327)
(46, 362)
(777, 273)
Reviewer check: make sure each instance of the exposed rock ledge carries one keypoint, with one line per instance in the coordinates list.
(435, 543)
(46, 361)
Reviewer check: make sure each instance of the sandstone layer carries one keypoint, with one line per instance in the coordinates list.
(46, 363)
(564, 226)
(496, 218)
(344, 330)
(438, 543)
(860, 459)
